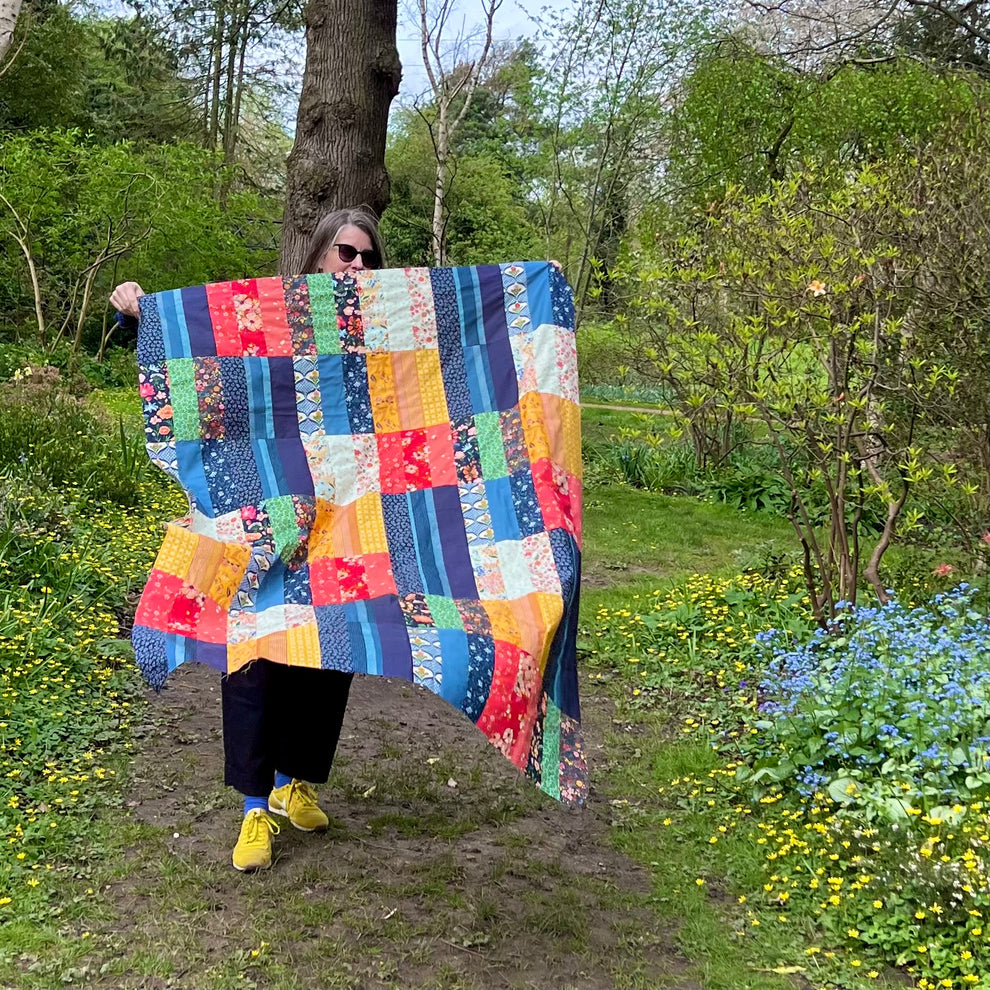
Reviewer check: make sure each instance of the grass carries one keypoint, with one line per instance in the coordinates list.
(629, 395)
(627, 530)
(694, 883)
(672, 538)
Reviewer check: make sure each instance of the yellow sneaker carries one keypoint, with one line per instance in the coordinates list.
(254, 845)
(297, 802)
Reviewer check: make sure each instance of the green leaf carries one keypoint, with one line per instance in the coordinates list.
(838, 789)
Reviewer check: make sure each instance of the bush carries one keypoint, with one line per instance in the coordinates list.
(643, 460)
(886, 711)
(50, 438)
(750, 488)
(600, 349)
(67, 682)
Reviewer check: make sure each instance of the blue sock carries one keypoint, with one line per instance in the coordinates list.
(282, 779)
(250, 803)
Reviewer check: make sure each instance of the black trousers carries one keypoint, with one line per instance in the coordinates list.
(277, 717)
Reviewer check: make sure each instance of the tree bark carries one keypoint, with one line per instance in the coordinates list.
(239, 85)
(338, 159)
(22, 235)
(440, 187)
(217, 62)
(229, 126)
(9, 9)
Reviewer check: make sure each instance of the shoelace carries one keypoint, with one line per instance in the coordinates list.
(257, 822)
(305, 789)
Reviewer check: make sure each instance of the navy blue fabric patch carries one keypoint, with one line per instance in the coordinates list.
(296, 586)
(562, 300)
(232, 474)
(236, 420)
(151, 339)
(284, 414)
(501, 366)
(149, 648)
(455, 383)
(401, 547)
(357, 394)
(196, 308)
(481, 669)
(453, 542)
(331, 624)
(526, 503)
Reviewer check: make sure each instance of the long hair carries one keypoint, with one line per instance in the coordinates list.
(325, 234)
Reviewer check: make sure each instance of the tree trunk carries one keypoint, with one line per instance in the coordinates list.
(229, 126)
(440, 188)
(217, 68)
(239, 85)
(9, 9)
(338, 158)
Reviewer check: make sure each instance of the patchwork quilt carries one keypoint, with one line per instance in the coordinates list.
(383, 474)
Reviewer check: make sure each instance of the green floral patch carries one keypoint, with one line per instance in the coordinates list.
(491, 445)
(444, 612)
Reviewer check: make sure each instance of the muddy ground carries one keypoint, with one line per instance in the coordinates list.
(443, 866)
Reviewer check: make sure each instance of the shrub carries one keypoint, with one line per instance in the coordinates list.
(750, 488)
(50, 438)
(69, 555)
(655, 468)
(886, 710)
(644, 460)
(600, 348)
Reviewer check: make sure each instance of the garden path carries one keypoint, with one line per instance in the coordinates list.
(632, 409)
(418, 882)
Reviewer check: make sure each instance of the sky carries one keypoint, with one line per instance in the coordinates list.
(512, 20)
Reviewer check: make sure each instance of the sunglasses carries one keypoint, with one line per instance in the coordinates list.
(347, 253)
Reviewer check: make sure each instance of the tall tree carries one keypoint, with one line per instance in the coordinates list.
(486, 207)
(848, 315)
(810, 33)
(115, 78)
(746, 118)
(232, 47)
(351, 77)
(452, 84)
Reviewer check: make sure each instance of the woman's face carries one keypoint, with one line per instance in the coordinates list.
(349, 240)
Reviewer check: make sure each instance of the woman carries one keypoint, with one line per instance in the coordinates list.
(281, 724)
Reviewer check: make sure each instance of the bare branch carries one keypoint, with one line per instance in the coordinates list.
(448, 84)
(940, 8)
(23, 238)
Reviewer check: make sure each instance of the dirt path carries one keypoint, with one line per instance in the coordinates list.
(419, 883)
(632, 409)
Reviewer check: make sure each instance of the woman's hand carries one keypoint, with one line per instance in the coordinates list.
(125, 298)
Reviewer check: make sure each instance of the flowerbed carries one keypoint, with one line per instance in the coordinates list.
(869, 844)
(79, 526)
